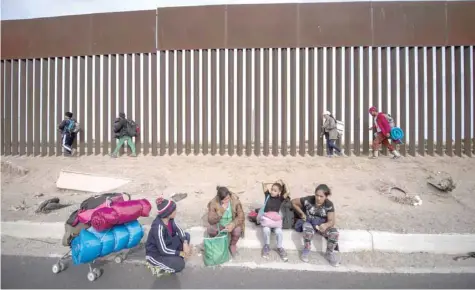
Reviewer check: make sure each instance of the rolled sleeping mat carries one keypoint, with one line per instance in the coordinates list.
(107, 239)
(397, 133)
(120, 213)
(85, 248)
(121, 236)
(136, 233)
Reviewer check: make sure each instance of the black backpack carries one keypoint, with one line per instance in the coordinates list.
(132, 128)
(288, 215)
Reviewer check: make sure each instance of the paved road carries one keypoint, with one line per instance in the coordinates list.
(33, 272)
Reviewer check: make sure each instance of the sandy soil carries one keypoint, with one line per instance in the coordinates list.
(356, 184)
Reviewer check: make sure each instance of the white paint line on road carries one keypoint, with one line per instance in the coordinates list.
(347, 268)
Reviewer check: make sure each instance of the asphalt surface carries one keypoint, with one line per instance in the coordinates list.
(34, 272)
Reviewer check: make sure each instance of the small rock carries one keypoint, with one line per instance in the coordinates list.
(179, 196)
(38, 195)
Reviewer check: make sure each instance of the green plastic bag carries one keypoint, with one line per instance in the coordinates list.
(217, 249)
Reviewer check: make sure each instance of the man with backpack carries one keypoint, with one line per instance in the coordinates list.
(124, 131)
(382, 126)
(69, 128)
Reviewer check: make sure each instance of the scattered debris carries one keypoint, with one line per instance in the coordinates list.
(199, 192)
(442, 181)
(49, 205)
(88, 182)
(465, 257)
(406, 199)
(179, 196)
(38, 195)
(8, 166)
(22, 206)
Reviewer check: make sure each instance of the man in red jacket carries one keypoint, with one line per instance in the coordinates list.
(383, 133)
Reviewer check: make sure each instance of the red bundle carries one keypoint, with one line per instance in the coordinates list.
(120, 213)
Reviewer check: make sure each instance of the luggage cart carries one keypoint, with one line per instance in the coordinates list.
(94, 272)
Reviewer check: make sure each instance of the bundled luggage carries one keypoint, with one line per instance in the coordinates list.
(103, 225)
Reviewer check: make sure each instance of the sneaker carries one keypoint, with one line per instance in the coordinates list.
(133, 155)
(113, 155)
(265, 251)
(305, 253)
(332, 258)
(282, 254)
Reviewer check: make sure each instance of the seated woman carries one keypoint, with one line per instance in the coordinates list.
(225, 213)
(317, 216)
(167, 244)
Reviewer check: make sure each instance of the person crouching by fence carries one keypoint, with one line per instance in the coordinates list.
(225, 213)
(167, 244)
(382, 135)
(121, 133)
(68, 133)
(317, 215)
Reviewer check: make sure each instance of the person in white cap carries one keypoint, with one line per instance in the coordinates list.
(331, 134)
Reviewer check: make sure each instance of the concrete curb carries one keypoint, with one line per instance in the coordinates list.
(350, 240)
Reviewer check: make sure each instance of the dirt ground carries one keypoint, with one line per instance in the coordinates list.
(356, 183)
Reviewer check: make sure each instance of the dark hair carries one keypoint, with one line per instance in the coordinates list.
(69, 114)
(323, 187)
(279, 186)
(222, 192)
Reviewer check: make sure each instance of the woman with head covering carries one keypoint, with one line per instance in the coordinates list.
(331, 134)
(167, 244)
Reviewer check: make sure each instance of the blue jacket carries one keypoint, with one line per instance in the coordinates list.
(161, 243)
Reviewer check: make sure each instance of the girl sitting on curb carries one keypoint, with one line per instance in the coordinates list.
(270, 219)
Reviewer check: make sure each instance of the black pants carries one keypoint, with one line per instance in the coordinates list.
(67, 143)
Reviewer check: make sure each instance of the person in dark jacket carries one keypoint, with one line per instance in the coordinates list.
(167, 244)
(67, 133)
(120, 130)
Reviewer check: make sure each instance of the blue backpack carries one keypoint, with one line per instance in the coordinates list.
(72, 127)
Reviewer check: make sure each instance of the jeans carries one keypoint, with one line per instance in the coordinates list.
(121, 143)
(330, 146)
(278, 234)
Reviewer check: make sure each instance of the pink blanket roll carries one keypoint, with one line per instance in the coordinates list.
(84, 216)
(120, 213)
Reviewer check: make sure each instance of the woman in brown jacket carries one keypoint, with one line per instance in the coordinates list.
(225, 213)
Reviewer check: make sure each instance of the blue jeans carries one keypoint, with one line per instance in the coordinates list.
(330, 146)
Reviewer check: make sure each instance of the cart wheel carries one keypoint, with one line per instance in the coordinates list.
(56, 268)
(118, 259)
(91, 277)
(62, 266)
(97, 272)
